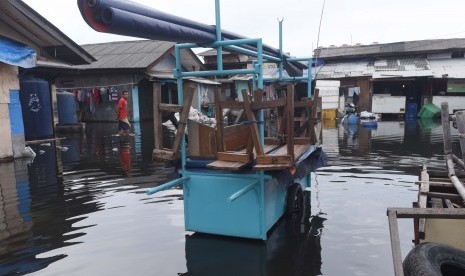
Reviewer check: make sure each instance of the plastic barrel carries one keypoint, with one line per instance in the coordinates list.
(66, 108)
(35, 99)
(412, 110)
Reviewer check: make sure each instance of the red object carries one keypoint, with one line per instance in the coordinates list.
(122, 109)
(95, 94)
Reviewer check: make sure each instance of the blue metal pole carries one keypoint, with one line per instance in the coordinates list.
(309, 72)
(219, 55)
(167, 185)
(218, 72)
(280, 49)
(242, 191)
(250, 52)
(178, 75)
(260, 86)
(199, 97)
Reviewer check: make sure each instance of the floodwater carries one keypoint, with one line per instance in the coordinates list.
(80, 209)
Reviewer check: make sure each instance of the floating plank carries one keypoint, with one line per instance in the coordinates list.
(163, 155)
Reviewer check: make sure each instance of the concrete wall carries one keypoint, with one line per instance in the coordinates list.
(9, 81)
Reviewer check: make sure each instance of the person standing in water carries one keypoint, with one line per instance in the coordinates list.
(124, 125)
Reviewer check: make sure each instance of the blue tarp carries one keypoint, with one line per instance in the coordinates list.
(17, 54)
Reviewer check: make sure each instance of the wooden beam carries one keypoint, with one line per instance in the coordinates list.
(234, 157)
(268, 104)
(219, 121)
(274, 159)
(183, 119)
(252, 127)
(157, 116)
(302, 141)
(290, 121)
(169, 107)
(231, 104)
(460, 120)
(163, 155)
(438, 213)
(306, 103)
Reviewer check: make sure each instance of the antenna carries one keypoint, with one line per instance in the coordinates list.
(319, 26)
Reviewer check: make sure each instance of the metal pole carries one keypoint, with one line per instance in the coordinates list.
(281, 49)
(219, 55)
(242, 191)
(178, 75)
(167, 186)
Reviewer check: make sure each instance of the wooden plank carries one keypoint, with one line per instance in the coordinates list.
(271, 167)
(300, 104)
(163, 155)
(235, 137)
(252, 127)
(226, 165)
(201, 140)
(436, 203)
(183, 119)
(219, 121)
(422, 199)
(268, 104)
(231, 104)
(302, 141)
(274, 159)
(290, 120)
(445, 195)
(395, 243)
(439, 213)
(169, 107)
(460, 120)
(282, 122)
(234, 157)
(273, 141)
(157, 116)
(446, 128)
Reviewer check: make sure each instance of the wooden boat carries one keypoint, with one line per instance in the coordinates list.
(439, 214)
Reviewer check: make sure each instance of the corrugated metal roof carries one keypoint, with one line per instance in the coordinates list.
(35, 29)
(379, 68)
(406, 47)
(126, 54)
(450, 68)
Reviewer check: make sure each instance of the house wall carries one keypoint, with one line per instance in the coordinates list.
(9, 81)
(107, 110)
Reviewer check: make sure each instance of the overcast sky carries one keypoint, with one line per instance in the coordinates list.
(343, 22)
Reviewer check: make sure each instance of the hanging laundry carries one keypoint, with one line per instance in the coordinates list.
(114, 94)
(96, 96)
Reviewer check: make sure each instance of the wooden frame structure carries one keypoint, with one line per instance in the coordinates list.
(440, 196)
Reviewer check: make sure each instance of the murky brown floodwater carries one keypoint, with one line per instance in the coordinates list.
(84, 211)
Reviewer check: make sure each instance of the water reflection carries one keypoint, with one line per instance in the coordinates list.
(293, 248)
(83, 198)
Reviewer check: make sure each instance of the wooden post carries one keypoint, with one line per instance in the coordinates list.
(422, 199)
(219, 121)
(252, 126)
(460, 119)
(446, 128)
(157, 116)
(290, 121)
(183, 117)
(395, 243)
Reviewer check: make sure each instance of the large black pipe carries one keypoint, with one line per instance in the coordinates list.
(133, 19)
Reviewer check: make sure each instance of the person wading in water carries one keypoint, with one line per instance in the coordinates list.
(124, 125)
